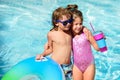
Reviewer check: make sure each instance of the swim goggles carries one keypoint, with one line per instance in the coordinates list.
(65, 22)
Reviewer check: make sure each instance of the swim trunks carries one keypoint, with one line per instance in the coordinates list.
(67, 69)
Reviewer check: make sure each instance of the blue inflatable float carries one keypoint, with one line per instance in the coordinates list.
(30, 69)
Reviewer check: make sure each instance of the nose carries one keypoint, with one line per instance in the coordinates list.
(69, 23)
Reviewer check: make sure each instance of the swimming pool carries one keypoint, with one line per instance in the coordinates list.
(24, 25)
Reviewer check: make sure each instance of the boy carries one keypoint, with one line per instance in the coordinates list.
(59, 38)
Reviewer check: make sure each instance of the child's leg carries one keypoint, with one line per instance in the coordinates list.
(89, 72)
(77, 74)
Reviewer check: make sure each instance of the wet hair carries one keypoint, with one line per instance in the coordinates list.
(75, 12)
(58, 14)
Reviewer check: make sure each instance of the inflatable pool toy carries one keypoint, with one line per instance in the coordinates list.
(31, 69)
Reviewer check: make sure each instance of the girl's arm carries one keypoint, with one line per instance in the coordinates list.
(91, 39)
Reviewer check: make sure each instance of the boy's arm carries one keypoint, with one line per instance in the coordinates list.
(49, 45)
(48, 48)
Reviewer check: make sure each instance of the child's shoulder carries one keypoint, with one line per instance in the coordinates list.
(85, 30)
(53, 32)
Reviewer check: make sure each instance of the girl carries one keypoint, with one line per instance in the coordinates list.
(83, 59)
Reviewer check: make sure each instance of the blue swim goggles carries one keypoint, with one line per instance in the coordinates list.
(65, 22)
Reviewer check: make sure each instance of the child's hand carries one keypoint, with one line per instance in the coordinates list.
(39, 56)
(104, 37)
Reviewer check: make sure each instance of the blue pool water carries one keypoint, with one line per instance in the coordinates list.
(25, 23)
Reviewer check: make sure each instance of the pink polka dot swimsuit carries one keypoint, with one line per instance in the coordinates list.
(82, 53)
